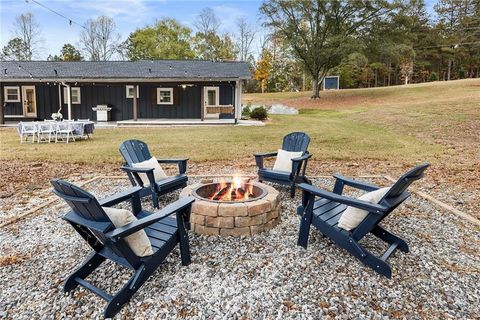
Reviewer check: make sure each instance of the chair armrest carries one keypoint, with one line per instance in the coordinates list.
(365, 205)
(140, 224)
(137, 170)
(341, 181)
(303, 158)
(182, 163)
(260, 156)
(133, 172)
(119, 197)
(266, 155)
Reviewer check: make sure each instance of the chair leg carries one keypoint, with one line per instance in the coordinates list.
(155, 200)
(304, 232)
(390, 238)
(128, 290)
(88, 266)
(367, 258)
(292, 190)
(184, 243)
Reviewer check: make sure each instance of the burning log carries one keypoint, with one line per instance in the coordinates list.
(220, 194)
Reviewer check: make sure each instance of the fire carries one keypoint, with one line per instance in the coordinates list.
(237, 189)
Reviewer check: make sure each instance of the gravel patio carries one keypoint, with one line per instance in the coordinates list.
(263, 277)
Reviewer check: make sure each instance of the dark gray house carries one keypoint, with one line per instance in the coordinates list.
(157, 89)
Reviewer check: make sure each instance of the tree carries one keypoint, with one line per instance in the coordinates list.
(245, 37)
(28, 30)
(68, 53)
(99, 38)
(321, 33)
(206, 21)
(15, 49)
(213, 47)
(263, 70)
(208, 43)
(459, 27)
(166, 39)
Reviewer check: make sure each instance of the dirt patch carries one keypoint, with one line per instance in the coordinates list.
(455, 184)
(326, 102)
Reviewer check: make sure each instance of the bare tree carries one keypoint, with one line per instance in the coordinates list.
(207, 22)
(245, 37)
(99, 38)
(28, 30)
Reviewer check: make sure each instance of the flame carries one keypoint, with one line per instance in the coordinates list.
(237, 189)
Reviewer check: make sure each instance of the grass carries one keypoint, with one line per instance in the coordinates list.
(406, 123)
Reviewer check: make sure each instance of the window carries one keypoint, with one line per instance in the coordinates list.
(212, 96)
(164, 95)
(129, 92)
(74, 95)
(12, 94)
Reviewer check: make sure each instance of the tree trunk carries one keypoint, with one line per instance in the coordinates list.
(449, 69)
(389, 74)
(315, 88)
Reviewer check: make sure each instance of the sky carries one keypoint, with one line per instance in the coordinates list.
(128, 15)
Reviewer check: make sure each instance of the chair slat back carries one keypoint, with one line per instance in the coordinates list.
(392, 199)
(86, 206)
(405, 181)
(28, 127)
(296, 141)
(134, 151)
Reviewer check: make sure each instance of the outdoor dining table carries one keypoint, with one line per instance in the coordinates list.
(80, 128)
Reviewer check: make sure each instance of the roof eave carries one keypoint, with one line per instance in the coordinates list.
(122, 80)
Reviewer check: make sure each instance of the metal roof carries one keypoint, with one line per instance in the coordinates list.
(116, 70)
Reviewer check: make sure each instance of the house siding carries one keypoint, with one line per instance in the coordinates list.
(187, 102)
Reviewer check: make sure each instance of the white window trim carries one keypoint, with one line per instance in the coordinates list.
(65, 96)
(165, 90)
(217, 96)
(5, 89)
(127, 92)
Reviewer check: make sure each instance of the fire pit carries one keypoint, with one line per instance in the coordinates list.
(233, 208)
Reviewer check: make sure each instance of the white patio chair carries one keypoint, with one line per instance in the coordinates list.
(83, 120)
(45, 131)
(64, 132)
(78, 128)
(27, 129)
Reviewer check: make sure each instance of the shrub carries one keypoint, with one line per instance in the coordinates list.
(246, 110)
(433, 77)
(259, 113)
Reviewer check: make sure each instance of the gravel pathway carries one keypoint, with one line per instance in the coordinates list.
(263, 277)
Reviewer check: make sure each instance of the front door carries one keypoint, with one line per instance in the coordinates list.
(211, 96)
(29, 101)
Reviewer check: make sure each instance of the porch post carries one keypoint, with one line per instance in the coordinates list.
(69, 100)
(59, 97)
(135, 116)
(238, 99)
(202, 103)
(2, 107)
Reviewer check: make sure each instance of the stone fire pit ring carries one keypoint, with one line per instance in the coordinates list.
(242, 218)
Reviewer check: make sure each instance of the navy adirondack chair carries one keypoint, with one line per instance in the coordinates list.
(295, 142)
(89, 219)
(323, 209)
(134, 151)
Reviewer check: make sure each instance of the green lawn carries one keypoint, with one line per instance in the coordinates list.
(403, 124)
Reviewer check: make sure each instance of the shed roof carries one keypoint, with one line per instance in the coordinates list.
(117, 70)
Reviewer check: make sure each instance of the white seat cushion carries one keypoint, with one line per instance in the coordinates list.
(284, 160)
(352, 216)
(138, 241)
(158, 172)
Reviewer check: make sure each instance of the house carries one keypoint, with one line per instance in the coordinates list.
(130, 90)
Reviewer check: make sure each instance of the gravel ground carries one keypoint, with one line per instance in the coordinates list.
(263, 277)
